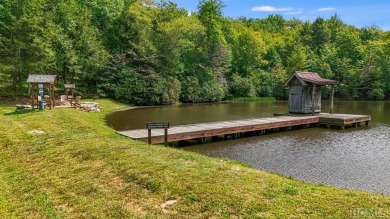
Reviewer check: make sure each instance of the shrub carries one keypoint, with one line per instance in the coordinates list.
(191, 90)
(241, 87)
(376, 94)
(151, 90)
(212, 92)
(194, 92)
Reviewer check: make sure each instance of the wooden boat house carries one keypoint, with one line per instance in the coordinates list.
(305, 92)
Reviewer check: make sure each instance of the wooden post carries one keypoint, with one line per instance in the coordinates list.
(31, 90)
(331, 100)
(149, 136)
(313, 98)
(36, 93)
(32, 95)
(165, 137)
(50, 96)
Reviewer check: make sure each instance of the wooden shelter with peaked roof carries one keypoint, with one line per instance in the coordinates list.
(305, 92)
(48, 82)
(69, 88)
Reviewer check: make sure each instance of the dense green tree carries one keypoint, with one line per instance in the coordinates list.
(369, 33)
(298, 60)
(335, 25)
(217, 56)
(349, 46)
(13, 41)
(149, 52)
(7, 31)
(79, 52)
(274, 62)
(247, 53)
(320, 35)
(103, 12)
(210, 15)
(272, 24)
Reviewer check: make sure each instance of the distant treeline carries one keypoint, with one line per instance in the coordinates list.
(148, 52)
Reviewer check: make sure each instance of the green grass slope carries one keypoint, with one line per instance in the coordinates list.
(64, 163)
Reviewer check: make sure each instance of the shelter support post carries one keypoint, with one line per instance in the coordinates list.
(313, 95)
(331, 100)
(50, 96)
(31, 93)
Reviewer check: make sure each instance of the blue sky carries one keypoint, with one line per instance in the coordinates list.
(360, 13)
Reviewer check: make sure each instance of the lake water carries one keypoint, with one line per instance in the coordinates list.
(353, 158)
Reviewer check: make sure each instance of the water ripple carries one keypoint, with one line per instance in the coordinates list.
(354, 159)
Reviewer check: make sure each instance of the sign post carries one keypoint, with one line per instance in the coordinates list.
(157, 125)
(40, 93)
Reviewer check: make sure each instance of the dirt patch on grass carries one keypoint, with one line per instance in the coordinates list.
(36, 132)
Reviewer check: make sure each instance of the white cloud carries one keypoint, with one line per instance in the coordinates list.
(270, 9)
(326, 9)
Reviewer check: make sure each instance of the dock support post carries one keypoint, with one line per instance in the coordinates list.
(331, 100)
(201, 140)
(366, 123)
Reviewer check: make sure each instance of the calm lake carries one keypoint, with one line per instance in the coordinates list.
(353, 158)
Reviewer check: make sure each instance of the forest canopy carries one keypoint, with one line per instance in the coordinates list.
(147, 52)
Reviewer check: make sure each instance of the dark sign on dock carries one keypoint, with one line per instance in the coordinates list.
(157, 125)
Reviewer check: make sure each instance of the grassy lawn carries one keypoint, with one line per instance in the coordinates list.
(64, 163)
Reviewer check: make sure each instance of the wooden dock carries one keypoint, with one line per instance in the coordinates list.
(236, 127)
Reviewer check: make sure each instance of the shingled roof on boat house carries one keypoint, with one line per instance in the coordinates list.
(305, 92)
